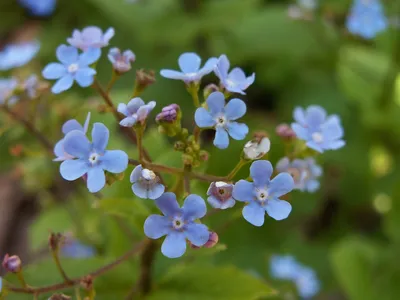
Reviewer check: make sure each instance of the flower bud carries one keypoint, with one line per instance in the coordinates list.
(212, 241)
(187, 159)
(204, 155)
(121, 61)
(12, 264)
(256, 148)
(209, 89)
(144, 79)
(169, 120)
(285, 131)
(179, 146)
(55, 239)
(87, 282)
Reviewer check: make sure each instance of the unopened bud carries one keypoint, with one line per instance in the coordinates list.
(121, 61)
(179, 146)
(12, 264)
(144, 79)
(204, 155)
(87, 282)
(55, 239)
(189, 150)
(212, 241)
(187, 159)
(209, 89)
(59, 297)
(256, 148)
(285, 131)
(169, 120)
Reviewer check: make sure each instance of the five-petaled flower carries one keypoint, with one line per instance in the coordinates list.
(73, 66)
(68, 126)
(92, 158)
(178, 224)
(17, 55)
(136, 111)
(235, 81)
(121, 61)
(220, 195)
(189, 63)
(263, 194)
(90, 37)
(221, 117)
(321, 132)
(146, 183)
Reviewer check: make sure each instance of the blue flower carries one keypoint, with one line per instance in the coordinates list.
(91, 37)
(121, 61)
(136, 111)
(75, 249)
(69, 126)
(30, 86)
(318, 130)
(263, 194)
(41, 8)
(366, 18)
(307, 282)
(189, 63)
(236, 81)
(17, 55)
(178, 224)
(73, 66)
(283, 267)
(146, 183)
(304, 172)
(1, 284)
(92, 158)
(7, 88)
(220, 195)
(221, 117)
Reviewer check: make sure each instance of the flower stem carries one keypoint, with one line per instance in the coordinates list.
(21, 279)
(186, 178)
(56, 257)
(236, 169)
(113, 79)
(139, 136)
(78, 293)
(193, 89)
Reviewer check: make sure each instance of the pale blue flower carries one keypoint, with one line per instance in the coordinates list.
(220, 195)
(92, 157)
(41, 8)
(136, 111)
(235, 81)
(221, 117)
(17, 55)
(75, 249)
(283, 267)
(30, 86)
(91, 37)
(262, 195)
(146, 183)
(7, 88)
(189, 63)
(178, 224)
(307, 282)
(73, 67)
(319, 131)
(121, 61)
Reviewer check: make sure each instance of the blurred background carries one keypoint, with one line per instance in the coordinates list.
(348, 232)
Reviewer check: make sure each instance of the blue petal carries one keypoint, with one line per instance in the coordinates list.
(261, 171)
(63, 84)
(278, 209)
(235, 109)
(174, 245)
(96, 179)
(128, 122)
(238, 131)
(123, 109)
(197, 234)
(332, 129)
(71, 125)
(222, 67)
(216, 103)
(114, 161)
(85, 76)
(136, 173)
(171, 74)
(299, 116)
(209, 66)
(89, 57)
(86, 125)
(100, 135)
(156, 226)
(243, 191)
(254, 214)
(139, 190)
(282, 184)
(228, 203)
(312, 186)
(59, 150)
(315, 116)
(203, 118)
(301, 132)
(194, 207)
(221, 139)
(134, 104)
(283, 164)
(189, 62)
(315, 146)
(237, 75)
(168, 205)
(113, 55)
(334, 145)
(214, 202)
(156, 191)
(77, 144)
(54, 71)
(73, 169)
(67, 54)
(250, 80)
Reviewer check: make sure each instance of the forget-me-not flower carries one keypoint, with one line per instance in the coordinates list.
(68, 126)
(121, 61)
(283, 267)
(189, 63)
(220, 195)
(41, 8)
(74, 249)
(146, 183)
(17, 55)
(366, 18)
(222, 118)
(319, 131)
(305, 172)
(307, 283)
(92, 157)
(178, 224)
(73, 67)
(263, 193)
(235, 81)
(91, 37)
(136, 111)
(7, 88)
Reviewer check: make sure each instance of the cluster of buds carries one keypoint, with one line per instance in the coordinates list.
(192, 154)
(169, 120)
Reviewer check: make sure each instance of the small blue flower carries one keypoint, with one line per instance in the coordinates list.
(7, 88)
(307, 282)
(321, 132)
(121, 61)
(236, 81)
(189, 63)
(146, 183)
(263, 194)
(17, 55)
(69, 126)
(90, 37)
(75, 249)
(366, 18)
(92, 158)
(283, 267)
(136, 111)
(220, 195)
(178, 224)
(41, 8)
(304, 172)
(73, 66)
(221, 117)
(30, 86)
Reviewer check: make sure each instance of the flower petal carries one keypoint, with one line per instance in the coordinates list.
(140, 190)
(123, 109)
(238, 131)
(89, 57)
(278, 209)
(312, 186)
(108, 35)
(222, 67)
(189, 62)
(96, 179)
(216, 103)
(128, 122)
(283, 164)
(85, 76)
(228, 203)
(315, 146)
(235, 109)
(71, 125)
(59, 151)
(114, 161)
(73, 169)
(299, 116)
(168, 205)
(282, 184)
(300, 131)
(54, 71)
(77, 144)
(136, 173)
(203, 118)
(67, 54)
(209, 66)
(237, 75)
(156, 191)
(243, 191)
(63, 84)
(315, 116)
(171, 74)
(254, 214)
(197, 234)
(156, 226)
(334, 145)
(221, 139)
(261, 171)
(331, 129)
(100, 135)
(134, 104)
(194, 207)
(174, 245)
(86, 125)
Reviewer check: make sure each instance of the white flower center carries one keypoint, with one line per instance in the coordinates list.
(317, 137)
(193, 74)
(230, 82)
(262, 195)
(221, 121)
(93, 158)
(177, 223)
(72, 68)
(148, 174)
